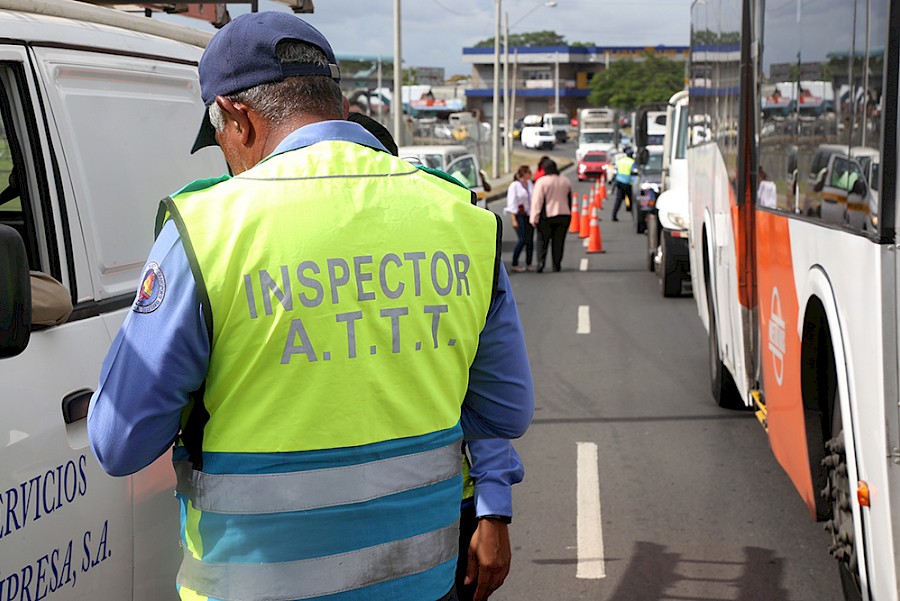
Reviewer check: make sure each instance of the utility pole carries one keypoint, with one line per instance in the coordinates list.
(495, 116)
(506, 137)
(397, 102)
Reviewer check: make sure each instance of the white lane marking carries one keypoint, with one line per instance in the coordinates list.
(586, 242)
(590, 525)
(584, 320)
(583, 265)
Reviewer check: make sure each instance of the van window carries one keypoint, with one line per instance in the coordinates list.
(681, 144)
(432, 161)
(18, 189)
(464, 171)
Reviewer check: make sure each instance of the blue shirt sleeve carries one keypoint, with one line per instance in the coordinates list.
(499, 402)
(495, 468)
(156, 360)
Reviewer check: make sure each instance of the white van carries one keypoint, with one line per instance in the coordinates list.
(98, 111)
(558, 124)
(455, 160)
(537, 138)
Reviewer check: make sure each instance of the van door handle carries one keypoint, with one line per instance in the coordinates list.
(75, 405)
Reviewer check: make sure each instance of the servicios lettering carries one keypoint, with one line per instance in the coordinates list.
(42, 495)
(391, 278)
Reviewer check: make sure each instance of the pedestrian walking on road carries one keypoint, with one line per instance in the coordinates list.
(624, 177)
(540, 169)
(315, 333)
(551, 210)
(518, 205)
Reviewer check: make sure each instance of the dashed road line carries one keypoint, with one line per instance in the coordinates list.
(584, 265)
(584, 320)
(591, 563)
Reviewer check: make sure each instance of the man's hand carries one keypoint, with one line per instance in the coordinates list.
(489, 558)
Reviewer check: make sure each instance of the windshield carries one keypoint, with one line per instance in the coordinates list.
(595, 157)
(654, 164)
(558, 121)
(596, 137)
(432, 161)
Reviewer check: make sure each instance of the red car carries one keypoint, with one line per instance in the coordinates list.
(593, 165)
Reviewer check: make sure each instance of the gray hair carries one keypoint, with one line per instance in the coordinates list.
(278, 101)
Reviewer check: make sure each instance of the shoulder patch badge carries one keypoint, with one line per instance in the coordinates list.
(152, 290)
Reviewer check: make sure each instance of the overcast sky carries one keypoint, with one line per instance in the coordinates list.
(435, 31)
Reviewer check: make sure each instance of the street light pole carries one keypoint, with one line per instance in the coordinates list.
(397, 102)
(556, 81)
(495, 116)
(506, 137)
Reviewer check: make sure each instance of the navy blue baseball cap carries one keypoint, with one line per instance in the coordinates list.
(241, 56)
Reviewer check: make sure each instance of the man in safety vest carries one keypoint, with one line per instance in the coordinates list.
(316, 334)
(624, 177)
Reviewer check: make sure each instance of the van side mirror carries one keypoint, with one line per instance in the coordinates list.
(15, 294)
(859, 188)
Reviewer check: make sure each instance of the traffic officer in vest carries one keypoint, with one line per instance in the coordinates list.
(490, 468)
(316, 334)
(624, 178)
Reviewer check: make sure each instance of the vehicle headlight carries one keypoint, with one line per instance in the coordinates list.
(582, 167)
(679, 220)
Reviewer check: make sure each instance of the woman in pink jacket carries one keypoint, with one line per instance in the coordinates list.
(551, 210)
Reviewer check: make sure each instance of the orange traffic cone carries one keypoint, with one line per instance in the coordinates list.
(595, 244)
(602, 194)
(575, 223)
(585, 227)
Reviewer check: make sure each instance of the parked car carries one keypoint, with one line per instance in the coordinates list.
(454, 160)
(81, 210)
(646, 185)
(537, 138)
(593, 165)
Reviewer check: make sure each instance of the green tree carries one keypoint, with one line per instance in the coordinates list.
(627, 84)
(534, 38)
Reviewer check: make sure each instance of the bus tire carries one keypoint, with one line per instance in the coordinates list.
(724, 390)
(841, 527)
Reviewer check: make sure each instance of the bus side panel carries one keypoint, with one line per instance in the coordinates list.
(780, 350)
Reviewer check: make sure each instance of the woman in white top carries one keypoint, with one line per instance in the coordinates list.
(518, 205)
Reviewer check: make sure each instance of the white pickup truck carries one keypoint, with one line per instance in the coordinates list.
(98, 111)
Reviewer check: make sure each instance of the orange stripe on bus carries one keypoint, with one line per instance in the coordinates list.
(780, 350)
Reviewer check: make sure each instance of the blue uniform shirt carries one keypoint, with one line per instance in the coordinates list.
(159, 357)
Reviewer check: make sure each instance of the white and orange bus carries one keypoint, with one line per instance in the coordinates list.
(793, 247)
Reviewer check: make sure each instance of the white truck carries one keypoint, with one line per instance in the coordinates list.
(667, 231)
(558, 124)
(98, 112)
(598, 129)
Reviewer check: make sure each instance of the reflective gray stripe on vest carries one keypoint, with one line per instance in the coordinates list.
(320, 576)
(312, 489)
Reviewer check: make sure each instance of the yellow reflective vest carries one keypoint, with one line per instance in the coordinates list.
(344, 291)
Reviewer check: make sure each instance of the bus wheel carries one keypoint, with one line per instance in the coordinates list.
(837, 491)
(724, 390)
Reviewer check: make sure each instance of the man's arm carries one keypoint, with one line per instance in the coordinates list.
(499, 402)
(157, 359)
(495, 468)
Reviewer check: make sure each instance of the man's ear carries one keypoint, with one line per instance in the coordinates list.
(236, 117)
(346, 108)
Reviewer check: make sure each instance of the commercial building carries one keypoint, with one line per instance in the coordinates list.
(548, 76)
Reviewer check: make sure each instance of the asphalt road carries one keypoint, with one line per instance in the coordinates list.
(629, 459)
